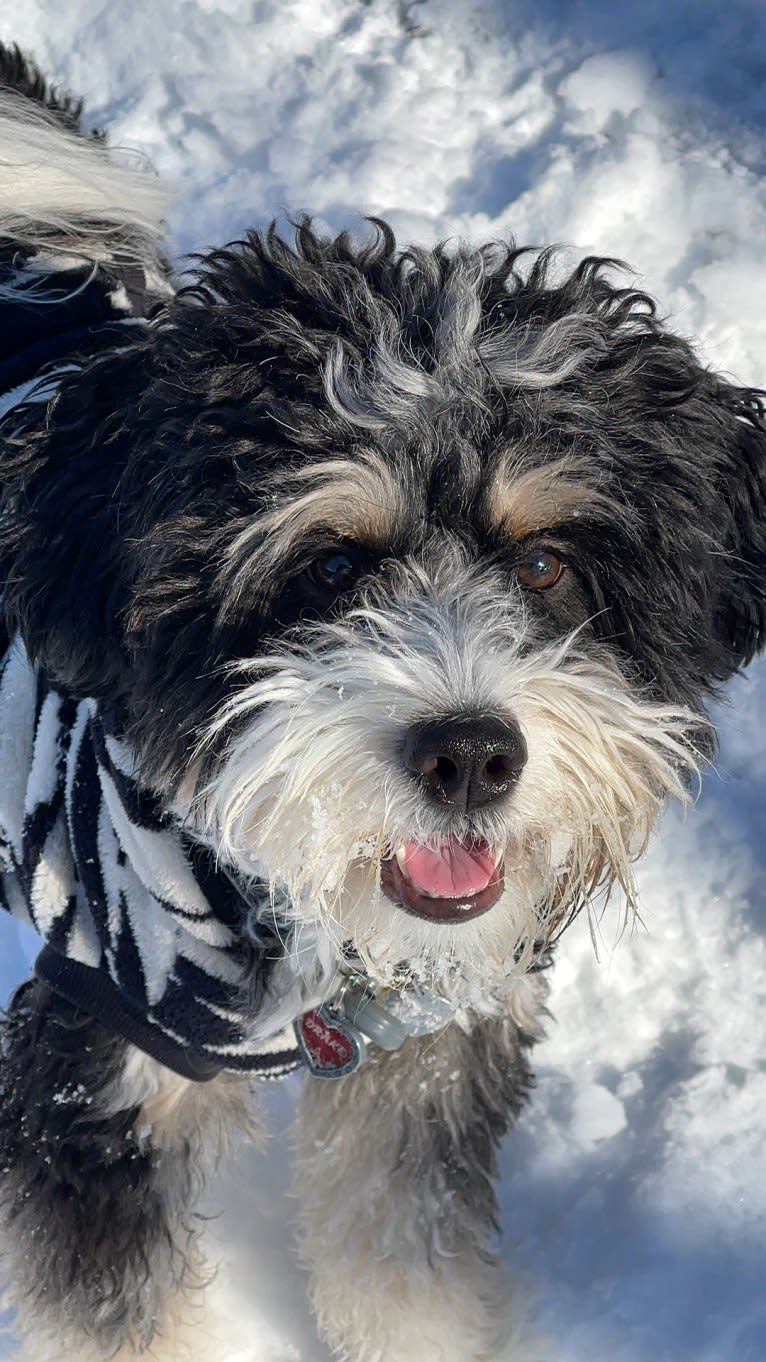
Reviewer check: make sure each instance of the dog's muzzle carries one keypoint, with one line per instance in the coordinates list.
(466, 762)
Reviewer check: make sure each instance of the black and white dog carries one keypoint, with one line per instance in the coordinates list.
(362, 609)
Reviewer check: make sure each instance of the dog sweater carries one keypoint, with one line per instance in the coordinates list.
(142, 930)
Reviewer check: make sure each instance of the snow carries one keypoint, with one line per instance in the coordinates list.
(633, 1192)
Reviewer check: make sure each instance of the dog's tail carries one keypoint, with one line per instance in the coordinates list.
(68, 204)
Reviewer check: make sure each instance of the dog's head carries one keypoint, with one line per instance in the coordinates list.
(409, 575)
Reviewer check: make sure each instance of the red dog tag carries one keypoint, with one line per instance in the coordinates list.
(330, 1046)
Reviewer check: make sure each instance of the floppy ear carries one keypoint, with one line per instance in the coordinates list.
(61, 551)
(741, 533)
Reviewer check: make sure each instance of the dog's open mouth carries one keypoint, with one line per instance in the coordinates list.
(451, 882)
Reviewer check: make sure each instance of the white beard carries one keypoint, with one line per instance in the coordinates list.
(311, 793)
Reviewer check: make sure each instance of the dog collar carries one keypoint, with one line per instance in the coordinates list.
(333, 1038)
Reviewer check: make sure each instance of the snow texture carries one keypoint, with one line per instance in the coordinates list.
(634, 1195)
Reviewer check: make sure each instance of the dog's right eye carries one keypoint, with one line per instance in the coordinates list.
(335, 571)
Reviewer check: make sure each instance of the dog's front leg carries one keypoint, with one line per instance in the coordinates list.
(395, 1171)
(104, 1152)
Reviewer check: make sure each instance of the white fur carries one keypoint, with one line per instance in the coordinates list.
(399, 1271)
(174, 1110)
(392, 387)
(187, 1335)
(312, 792)
(70, 198)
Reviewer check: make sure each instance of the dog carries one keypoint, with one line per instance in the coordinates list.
(363, 606)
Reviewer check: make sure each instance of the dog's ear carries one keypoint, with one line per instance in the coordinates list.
(740, 535)
(61, 537)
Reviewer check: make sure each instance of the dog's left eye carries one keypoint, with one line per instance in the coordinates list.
(539, 570)
(335, 571)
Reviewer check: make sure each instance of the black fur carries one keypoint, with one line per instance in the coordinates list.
(121, 505)
(20, 73)
(84, 1197)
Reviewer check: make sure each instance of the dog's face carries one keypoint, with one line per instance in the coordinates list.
(409, 576)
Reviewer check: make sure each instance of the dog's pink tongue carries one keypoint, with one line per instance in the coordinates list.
(451, 870)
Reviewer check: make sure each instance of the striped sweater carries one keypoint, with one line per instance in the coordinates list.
(141, 929)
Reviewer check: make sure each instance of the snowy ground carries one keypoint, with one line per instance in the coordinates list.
(634, 1193)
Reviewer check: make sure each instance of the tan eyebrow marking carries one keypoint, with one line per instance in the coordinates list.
(360, 500)
(523, 502)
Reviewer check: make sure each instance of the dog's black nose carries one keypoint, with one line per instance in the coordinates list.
(467, 761)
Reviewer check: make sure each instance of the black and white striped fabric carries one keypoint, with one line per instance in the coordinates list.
(141, 929)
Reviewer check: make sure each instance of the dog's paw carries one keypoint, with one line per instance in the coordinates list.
(458, 1312)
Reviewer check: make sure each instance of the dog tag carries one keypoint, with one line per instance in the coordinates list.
(331, 1046)
(376, 1022)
